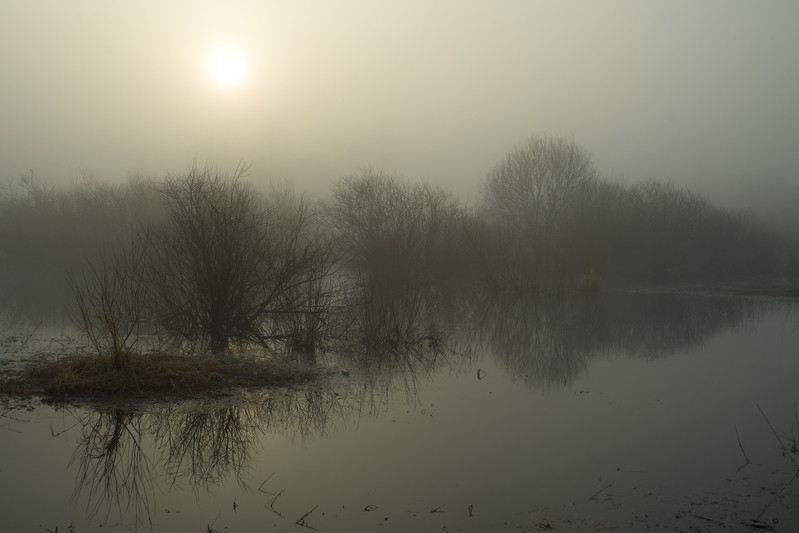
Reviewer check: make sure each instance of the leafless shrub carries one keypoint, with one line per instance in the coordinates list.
(227, 264)
(109, 301)
(387, 228)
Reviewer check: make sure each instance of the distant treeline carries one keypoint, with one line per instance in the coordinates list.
(546, 220)
(46, 233)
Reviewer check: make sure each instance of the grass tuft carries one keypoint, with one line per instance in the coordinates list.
(90, 376)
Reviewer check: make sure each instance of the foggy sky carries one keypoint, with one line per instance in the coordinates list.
(699, 93)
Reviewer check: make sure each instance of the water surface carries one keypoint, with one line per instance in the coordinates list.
(629, 411)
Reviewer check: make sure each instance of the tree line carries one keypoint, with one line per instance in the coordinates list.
(206, 259)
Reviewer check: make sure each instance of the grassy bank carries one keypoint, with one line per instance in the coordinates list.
(83, 376)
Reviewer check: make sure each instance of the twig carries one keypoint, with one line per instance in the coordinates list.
(13, 420)
(303, 523)
(711, 520)
(62, 343)
(776, 436)
(31, 335)
(54, 434)
(748, 462)
(260, 487)
(211, 525)
(5, 426)
(439, 509)
(600, 491)
(777, 496)
(272, 504)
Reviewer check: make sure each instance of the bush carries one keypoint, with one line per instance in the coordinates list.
(228, 265)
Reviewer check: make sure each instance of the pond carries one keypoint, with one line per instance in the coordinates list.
(632, 411)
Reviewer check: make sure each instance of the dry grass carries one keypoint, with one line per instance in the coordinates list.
(150, 375)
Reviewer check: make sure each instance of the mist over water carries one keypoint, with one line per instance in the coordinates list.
(412, 267)
(637, 395)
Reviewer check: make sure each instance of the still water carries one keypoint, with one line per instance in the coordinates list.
(626, 412)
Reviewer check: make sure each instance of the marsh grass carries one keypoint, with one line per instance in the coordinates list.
(165, 375)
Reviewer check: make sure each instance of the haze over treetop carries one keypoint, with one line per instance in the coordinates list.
(699, 93)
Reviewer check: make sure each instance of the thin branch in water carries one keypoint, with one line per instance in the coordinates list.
(785, 450)
(211, 525)
(777, 496)
(272, 504)
(58, 341)
(741, 446)
(5, 426)
(260, 487)
(600, 491)
(303, 523)
(54, 434)
(439, 509)
(31, 334)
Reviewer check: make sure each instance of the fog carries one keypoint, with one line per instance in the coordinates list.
(404, 266)
(700, 94)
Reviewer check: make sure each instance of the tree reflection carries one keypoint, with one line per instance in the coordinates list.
(550, 340)
(397, 330)
(113, 468)
(391, 334)
(203, 447)
(122, 454)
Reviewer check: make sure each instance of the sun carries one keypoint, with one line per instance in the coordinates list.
(227, 67)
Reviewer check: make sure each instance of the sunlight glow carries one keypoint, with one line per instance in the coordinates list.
(227, 67)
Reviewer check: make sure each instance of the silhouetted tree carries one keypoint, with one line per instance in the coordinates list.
(226, 262)
(394, 230)
(533, 186)
(110, 300)
(529, 197)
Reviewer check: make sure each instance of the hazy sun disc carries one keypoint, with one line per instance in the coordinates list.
(227, 67)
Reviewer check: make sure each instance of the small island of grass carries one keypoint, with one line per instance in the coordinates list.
(150, 376)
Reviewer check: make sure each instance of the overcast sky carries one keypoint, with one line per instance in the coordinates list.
(697, 92)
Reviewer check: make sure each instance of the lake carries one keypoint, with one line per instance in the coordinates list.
(630, 411)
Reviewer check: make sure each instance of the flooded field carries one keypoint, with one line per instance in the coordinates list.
(627, 412)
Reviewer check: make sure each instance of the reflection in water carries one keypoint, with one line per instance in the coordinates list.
(551, 341)
(204, 447)
(396, 328)
(392, 334)
(113, 468)
(121, 454)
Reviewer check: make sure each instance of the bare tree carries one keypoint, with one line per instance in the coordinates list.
(532, 186)
(386, 227)
(109, 301)
(530, 197)
(226, 263)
